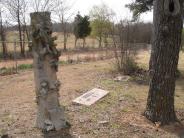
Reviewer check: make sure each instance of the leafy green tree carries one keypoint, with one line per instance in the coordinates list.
(101, 22)
(81, 28)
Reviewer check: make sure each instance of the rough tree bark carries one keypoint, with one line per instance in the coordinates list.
(164, 60)
(50, 115)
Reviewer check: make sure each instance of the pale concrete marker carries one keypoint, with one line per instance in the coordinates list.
(122, 78)
(91, 97)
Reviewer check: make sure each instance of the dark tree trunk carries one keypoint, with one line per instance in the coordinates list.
(106, 41)
(64, 33)
(20, 39)
(65, 40)
(76, 42)
(100, 41)
(164, 60)
(20, 30)
(27, 33)
(65, 36)
(24, 37)
(3, 37)
(28, 36)
(84, 42)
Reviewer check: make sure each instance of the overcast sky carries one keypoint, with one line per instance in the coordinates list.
(118, 6)
(84, 6)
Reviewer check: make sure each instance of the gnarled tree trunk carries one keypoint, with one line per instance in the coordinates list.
(164, 60)
(50, 116)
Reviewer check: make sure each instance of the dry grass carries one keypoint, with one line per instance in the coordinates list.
(65, 57)
(90, 42)
(122, 108)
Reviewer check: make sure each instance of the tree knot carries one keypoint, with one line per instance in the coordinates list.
(172, 7)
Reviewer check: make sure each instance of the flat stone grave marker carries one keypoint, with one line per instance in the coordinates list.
(91, 97)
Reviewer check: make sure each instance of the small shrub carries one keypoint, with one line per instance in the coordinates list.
(88, 58)
(70, 61)
(7, 71)
(83, 49)
(129, 66)
(63, 62)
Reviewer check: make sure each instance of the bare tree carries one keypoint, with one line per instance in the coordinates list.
(101, 17)
(124, 50)
(25, 30)
(43, 5)
(3, 36)
(15, 8)
(62, 10)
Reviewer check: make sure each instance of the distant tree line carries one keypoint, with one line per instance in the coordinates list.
(139, 32)
(56, 27)
(98, 24)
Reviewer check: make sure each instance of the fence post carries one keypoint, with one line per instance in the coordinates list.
(15, 57)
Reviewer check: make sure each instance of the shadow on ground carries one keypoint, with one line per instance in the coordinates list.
(177, 128)
(55, 134)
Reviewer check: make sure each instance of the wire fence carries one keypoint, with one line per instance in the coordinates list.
(15, 61)
(25, 52)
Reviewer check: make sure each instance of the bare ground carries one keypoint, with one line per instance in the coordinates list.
(118, 115)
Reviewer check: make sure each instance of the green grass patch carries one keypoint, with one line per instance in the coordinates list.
(25, 66)
(115, 125)
(12, 70)
(63, 62)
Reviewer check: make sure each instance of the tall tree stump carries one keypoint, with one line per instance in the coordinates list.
(50, 115)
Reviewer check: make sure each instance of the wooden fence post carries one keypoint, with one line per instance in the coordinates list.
(15, 56)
